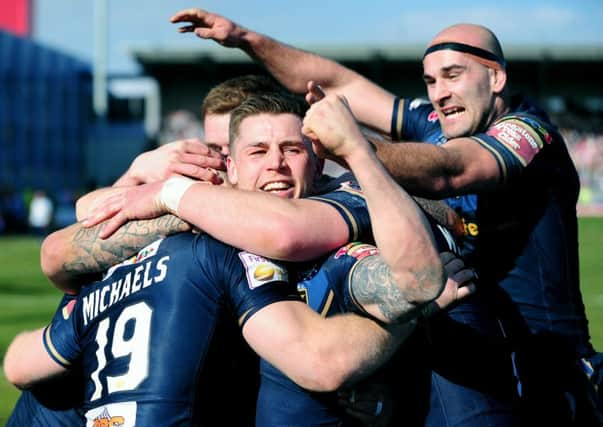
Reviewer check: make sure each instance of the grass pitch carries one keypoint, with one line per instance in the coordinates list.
(27, 299)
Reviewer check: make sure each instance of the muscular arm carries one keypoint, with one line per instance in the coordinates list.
(257, 222)
(285, 229)
(71, 256)
(27, 362)
(317, 353)
(295, 67)
(401, 231)
(460, 166)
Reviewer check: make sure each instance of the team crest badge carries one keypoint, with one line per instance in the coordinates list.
(121, 414)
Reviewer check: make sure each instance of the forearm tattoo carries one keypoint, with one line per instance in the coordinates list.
(372, 283)
(91, 254)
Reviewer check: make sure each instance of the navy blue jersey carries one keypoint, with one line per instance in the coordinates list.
(50, 404)
(141, 334)
(524, 235)
(325, 285)
(344, 194)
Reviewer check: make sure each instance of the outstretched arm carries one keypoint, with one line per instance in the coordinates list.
(294, 68)
(317, 353)
(277, 228)
(75, 255)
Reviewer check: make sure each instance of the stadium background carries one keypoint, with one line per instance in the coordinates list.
(53, 137)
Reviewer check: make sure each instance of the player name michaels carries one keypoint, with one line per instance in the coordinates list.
(143, 276)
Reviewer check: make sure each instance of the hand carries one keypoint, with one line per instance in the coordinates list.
(330, 122)
(140, 202)
(460, 284)
(188, 157)
(369, 402)
(208, 25)
(315, 92)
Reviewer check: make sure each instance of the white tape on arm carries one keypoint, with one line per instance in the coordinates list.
(172, 191)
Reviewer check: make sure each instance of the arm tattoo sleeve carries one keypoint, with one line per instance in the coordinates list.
(91, 254)
(372, 284)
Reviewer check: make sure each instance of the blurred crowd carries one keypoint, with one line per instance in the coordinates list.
(36, 211)
(586, 149)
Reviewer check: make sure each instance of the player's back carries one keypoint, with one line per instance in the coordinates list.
(144, 330)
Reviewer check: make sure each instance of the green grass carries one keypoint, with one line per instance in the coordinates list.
(27, 300)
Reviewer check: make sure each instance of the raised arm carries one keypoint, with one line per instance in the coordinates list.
(401, 231)
(321, 354)
(72, 256)
(294, 68)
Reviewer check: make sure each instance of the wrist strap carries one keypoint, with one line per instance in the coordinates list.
(173, 190)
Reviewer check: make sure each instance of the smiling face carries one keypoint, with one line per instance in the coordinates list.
(270, 154)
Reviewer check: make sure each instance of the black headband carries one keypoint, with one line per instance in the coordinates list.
(465, 48)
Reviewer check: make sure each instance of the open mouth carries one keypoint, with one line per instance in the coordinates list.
(453, 112)
(276, 186)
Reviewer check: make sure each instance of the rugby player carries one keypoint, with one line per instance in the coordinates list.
(97, 307)
(500, 163)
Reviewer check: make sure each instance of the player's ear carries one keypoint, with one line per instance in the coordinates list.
(231, 170)
(498, 80)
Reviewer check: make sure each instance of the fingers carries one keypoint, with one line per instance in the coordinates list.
(205, 33)
(112, 225)
(186, 29)
(188, 15)
(196, 172)
(465, 291)
(109, 209)
(315, 92)
(464, 275)
(446, 257)
(203, 161)
(453, 266)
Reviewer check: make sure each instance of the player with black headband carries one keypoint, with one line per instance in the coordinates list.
(504, 166)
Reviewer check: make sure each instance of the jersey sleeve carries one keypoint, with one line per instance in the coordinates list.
(412, 119)
(248, 282)
(349, 201)
(514, 140)
(257, 282)
(344, 262)
(60, 336)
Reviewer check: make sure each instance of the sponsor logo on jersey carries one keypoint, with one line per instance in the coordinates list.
(121, 414)
(519, 137)
(357, 250)
(68, 309)
(546, 136)
(432, 117)
(260, 271)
